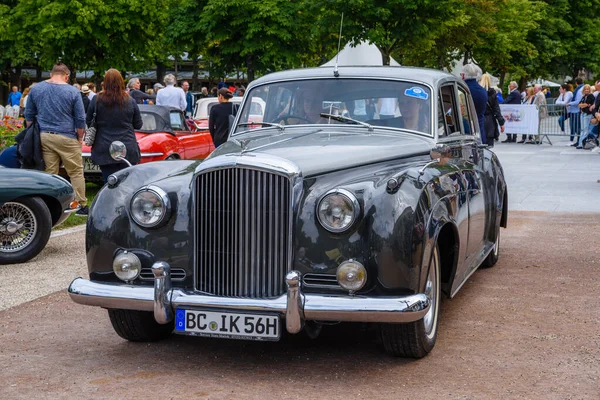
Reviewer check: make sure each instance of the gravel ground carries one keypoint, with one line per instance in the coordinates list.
(53, 269)
(529, 328)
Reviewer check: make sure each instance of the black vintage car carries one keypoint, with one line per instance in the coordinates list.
(362, 195)
(31, 203)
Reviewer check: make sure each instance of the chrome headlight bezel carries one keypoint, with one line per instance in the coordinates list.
(349, 198)
(162, 196)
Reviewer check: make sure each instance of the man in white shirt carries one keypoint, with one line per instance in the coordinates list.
(171, 95)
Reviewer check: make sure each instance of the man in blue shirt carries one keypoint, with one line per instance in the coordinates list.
(470, 73)
(14, 98)
(58, 108)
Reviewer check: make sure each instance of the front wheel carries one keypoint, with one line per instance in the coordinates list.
(139, 326)
(25, 226)
(416, 339)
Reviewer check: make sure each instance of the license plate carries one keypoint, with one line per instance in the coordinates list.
(227, 325)
(89, 166)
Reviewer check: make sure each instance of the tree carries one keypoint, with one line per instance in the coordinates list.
(261, 35)
(396, 26)
(93, 34)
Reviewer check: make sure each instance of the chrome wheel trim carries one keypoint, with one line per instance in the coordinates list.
(18, 227)
(432, 290)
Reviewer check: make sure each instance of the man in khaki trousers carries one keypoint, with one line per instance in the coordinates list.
(58, 108)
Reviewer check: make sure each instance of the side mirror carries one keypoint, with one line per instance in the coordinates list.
(118, 151)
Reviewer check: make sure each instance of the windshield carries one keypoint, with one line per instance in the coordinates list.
(391, 104)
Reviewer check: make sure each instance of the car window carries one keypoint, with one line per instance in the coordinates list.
(449, 108)
(465, 111)
(390, 104)
(148, 122)
(177, 122)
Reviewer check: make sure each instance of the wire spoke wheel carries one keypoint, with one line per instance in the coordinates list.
(18, 227)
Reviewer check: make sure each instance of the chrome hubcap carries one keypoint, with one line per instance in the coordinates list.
(432, 292)
(18, 227)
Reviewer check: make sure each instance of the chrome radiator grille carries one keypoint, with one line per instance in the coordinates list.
(242, 231)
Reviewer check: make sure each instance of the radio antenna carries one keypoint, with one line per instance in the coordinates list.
(335, 68)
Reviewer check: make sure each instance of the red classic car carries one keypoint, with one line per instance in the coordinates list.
(165, 135)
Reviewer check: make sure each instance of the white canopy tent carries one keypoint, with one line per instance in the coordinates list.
(543, 82)
(364, 54)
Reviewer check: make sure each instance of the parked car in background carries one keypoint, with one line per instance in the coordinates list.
(164, 135)
(31, 203)
(328, 210)
(203, 106)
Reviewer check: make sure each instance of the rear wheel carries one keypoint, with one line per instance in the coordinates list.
(25, 226)
(416, 339)
(138, 326)
(492, 258)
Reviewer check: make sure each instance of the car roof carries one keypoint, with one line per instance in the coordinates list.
(425, 75)
(161, 116)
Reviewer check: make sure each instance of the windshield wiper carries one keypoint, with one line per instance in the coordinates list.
(341, 118)
(279, 126)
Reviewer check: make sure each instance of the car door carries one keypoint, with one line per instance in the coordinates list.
(457, 129)
(192, 145)
(474, 175)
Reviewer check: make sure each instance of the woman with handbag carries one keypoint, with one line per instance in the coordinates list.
(115, 116)
(492, 116)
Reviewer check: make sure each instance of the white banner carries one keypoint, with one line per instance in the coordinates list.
(520, 118)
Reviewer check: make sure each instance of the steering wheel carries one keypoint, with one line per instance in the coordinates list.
(285, 117)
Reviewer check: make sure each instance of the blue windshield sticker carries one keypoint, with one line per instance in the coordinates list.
(417, 93)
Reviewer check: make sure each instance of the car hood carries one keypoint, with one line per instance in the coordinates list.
(317, 151)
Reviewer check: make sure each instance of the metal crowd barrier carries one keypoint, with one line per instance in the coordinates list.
(556, 123)
(553, 120)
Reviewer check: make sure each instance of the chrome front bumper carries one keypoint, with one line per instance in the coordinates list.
(295, 306)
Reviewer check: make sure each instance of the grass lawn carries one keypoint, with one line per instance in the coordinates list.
(73, 220)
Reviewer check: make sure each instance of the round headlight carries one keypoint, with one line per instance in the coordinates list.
(127, 266)
(351, 275)
(150, 206)
(338, 210)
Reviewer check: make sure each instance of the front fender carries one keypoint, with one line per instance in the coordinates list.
(110, 227)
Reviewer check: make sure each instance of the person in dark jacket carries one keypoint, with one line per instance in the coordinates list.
(8, 157)
(470, 73)
(218, 119)
(514, 97)
(134, 91)
(117, 117)
(85, 91)
(492, 115)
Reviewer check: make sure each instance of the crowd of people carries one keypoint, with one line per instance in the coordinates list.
(171, 95)
(57, 115)
(581, 108)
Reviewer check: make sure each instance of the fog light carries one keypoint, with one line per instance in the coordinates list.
(351, 275)
(127, 266)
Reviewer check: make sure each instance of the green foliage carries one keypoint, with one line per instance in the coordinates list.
(262, 35)
(506, 37)
(89, 34)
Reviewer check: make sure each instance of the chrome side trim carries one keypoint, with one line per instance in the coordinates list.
(313, 307)
(163, 313)
(151, 154)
